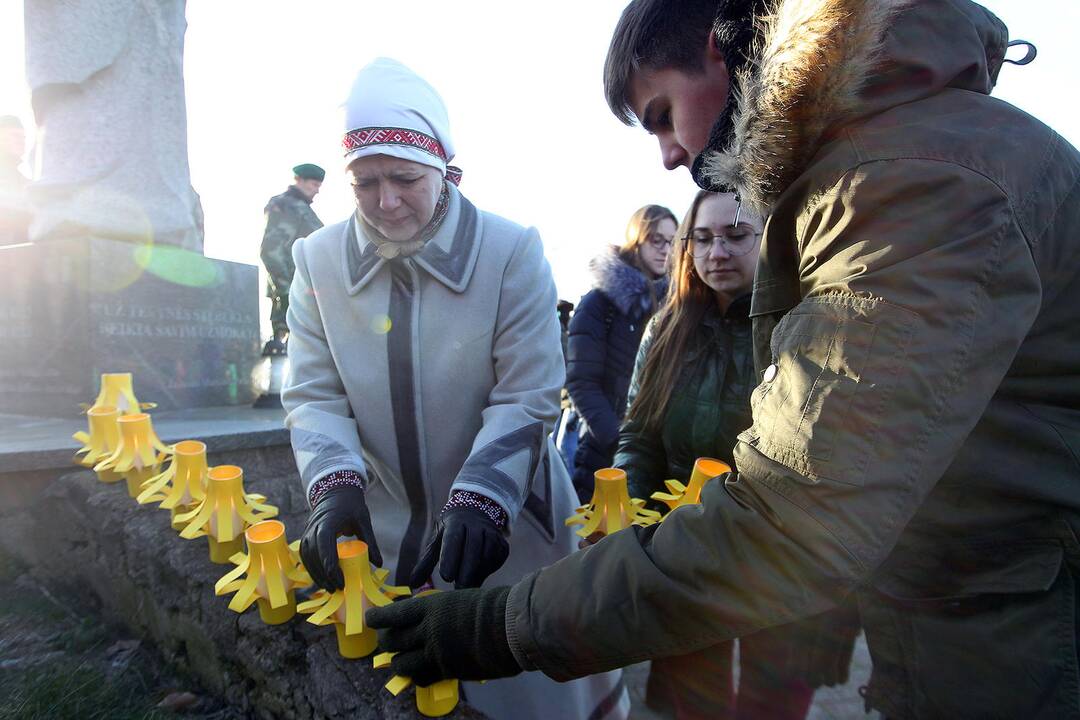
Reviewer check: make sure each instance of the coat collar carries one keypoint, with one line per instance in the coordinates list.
(295, 193)
(804, 73)
(449, 257)
(624, 285)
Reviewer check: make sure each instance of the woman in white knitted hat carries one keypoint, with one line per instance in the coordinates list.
(425, 375)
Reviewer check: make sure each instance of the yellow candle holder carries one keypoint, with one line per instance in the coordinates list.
(224, 514)
(435, 700)
(139, 455)
(116, 390)
(364, 588)
(100, 442)
(678, 494)
(611, 508)
(267, 574)
(182, 485)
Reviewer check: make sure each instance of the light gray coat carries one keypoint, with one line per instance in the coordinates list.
(436, 373)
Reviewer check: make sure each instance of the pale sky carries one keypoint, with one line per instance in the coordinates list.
(534, 137)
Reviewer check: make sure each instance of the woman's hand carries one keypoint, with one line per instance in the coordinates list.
(468, 545)
(341, 511)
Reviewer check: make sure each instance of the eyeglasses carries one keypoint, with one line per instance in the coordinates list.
(737, 241)
(658, 242)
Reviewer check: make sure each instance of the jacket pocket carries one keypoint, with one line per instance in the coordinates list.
(990, 632)
(821, 402)
(819, 369)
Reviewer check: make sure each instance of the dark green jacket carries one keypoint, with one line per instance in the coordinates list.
(707, 409)
(917, 432)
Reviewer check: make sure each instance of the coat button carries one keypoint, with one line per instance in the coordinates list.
(770, 373)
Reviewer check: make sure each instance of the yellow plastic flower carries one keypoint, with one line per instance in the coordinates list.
(225, 512)
(140, 453)
(182, 485)
(611, 508)
(678, 494)
(433, 700)
(267, 574)
(117, 391)
(100, 442)
(364, 587)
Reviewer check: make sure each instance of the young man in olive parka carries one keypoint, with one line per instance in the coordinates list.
(916, 430)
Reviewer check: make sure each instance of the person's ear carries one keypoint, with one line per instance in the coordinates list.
(713, 54)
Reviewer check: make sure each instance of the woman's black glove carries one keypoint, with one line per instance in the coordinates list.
(456, 634)
(471, 547)
(341, 511)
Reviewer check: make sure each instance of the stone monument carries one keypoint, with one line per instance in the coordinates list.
(114, 279)
(107, 89)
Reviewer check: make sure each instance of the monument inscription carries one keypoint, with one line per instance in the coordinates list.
(188, 345)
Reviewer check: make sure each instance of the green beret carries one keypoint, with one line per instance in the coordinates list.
(11, 121)
(307, 171)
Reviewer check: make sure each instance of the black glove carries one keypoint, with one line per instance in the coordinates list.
(341, 511)
(457, 634)
(472, 547)
(826, 645)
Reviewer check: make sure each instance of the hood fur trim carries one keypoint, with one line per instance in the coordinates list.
(624, 285)
(806, 70)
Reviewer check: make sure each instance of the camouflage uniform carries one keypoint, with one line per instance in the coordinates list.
(289, 217)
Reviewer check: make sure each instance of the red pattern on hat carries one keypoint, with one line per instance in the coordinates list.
(365, 137)
(362, 137)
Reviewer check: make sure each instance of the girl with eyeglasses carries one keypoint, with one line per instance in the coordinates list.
(690, 398)
(629, 284)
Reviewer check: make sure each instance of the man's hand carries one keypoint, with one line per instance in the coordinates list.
(341, 511)
(470, 546)
(457, 634)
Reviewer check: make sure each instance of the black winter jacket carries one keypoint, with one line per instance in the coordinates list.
(604, 335)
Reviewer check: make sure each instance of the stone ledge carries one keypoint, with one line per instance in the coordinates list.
(34, 443)
(82, 536)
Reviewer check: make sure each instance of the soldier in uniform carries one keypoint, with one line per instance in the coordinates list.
(289, 217)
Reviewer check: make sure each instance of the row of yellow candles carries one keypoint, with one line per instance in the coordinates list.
(211, 502)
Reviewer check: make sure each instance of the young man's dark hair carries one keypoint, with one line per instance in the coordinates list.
(658, 34)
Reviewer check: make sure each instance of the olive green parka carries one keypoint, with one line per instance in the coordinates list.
(916, 432)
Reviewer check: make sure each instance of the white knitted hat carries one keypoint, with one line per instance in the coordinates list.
(393, 111)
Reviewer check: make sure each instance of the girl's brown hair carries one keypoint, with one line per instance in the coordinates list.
(688, 301)
(642, 223)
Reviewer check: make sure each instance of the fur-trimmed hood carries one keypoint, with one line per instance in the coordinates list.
(625, 285)
(818, 65)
